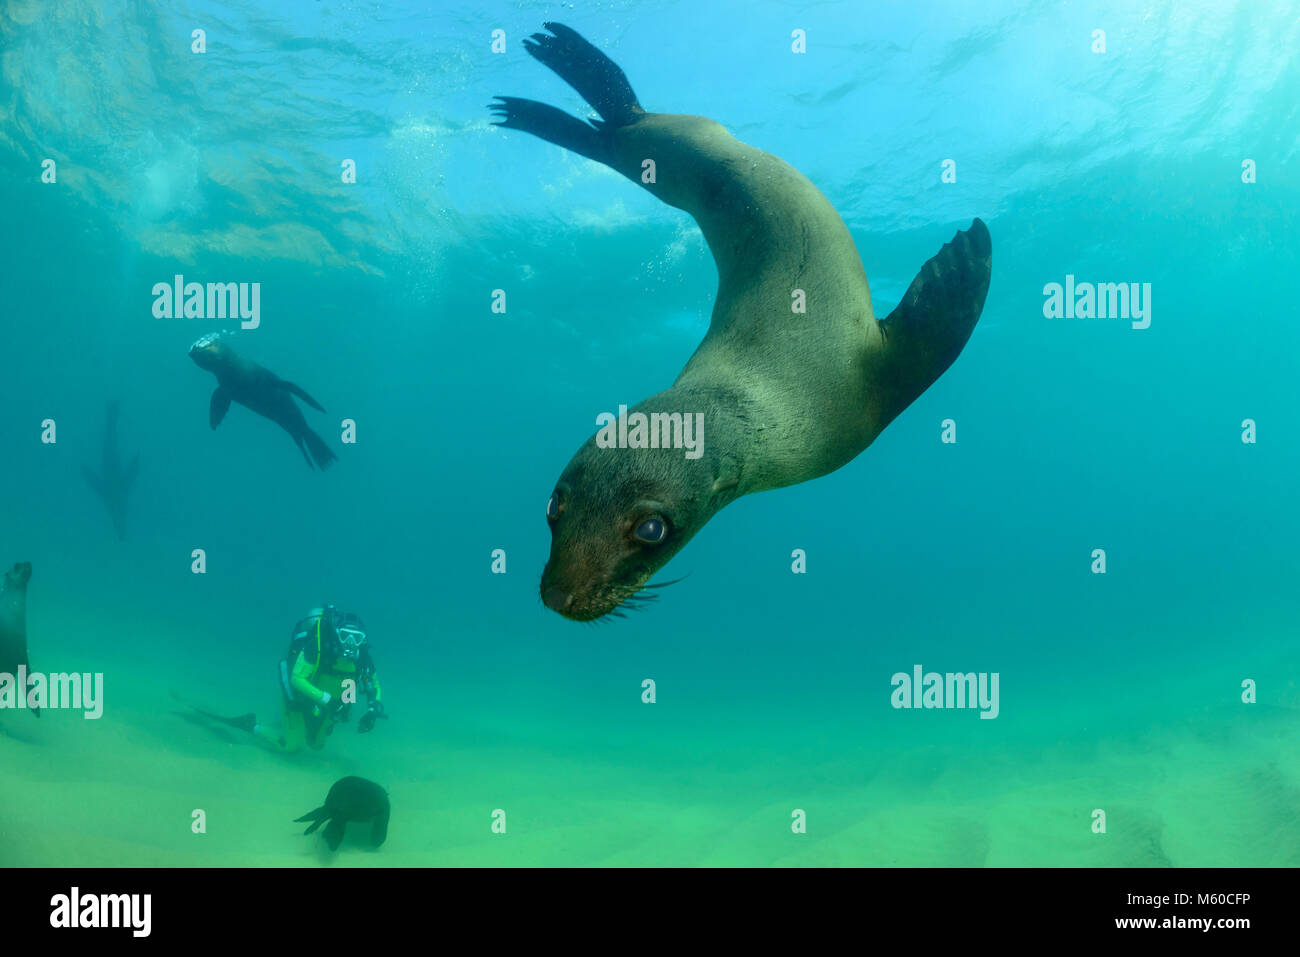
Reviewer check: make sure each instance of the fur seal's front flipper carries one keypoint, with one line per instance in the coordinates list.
(927, 330)
(379, 830)
(218, 407)
(300, 393)
(334, 831)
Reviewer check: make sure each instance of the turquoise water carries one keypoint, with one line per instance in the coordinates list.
(1120, 692)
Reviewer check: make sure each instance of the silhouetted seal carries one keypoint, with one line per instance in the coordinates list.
(114, 482)
(351, 799)
(240, 380)
(13, 623)
(786, 396)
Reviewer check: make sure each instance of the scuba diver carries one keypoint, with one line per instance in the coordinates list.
(328, 649)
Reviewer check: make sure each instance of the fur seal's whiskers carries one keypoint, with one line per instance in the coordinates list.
(672, 581)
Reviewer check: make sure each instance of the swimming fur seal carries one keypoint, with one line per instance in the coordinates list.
(786, 397)
(13, 623)
(261, 390)
(113, 483)
(351, 799)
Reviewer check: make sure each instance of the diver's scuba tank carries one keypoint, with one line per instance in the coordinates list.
(313, 632)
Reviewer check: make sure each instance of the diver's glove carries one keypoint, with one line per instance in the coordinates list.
(367, 722)
(334, 708)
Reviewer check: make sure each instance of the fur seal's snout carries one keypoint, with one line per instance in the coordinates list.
(595, 564)
(206, 352)
(556, 599)
(616, 517)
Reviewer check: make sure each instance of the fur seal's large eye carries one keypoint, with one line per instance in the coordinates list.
(553, 507)
(652, 531)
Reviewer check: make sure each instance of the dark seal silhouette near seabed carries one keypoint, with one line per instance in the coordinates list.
(13, 624)
(795, 376)
(351, 799)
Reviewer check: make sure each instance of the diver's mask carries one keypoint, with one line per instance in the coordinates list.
(351, 640)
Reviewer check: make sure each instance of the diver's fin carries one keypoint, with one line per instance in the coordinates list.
(599, 79)
(244, 722)
(551, 124)
(218, 407)
(93, 480)
(318, 817)
(321, 452)
(929, 328)
(300, 393)
(334, 833)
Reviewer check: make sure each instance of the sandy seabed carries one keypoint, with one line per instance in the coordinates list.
(1181, 785)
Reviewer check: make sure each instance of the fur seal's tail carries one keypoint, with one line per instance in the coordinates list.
(929, 328)
(598, 78)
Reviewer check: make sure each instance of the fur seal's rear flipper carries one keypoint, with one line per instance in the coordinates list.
(551, 124)
(599, 79)
(317, 817)
(927, 330)
(334, 830)
(321, 452)
(301, 393)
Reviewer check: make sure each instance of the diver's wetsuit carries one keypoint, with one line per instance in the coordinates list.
(311, 685)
